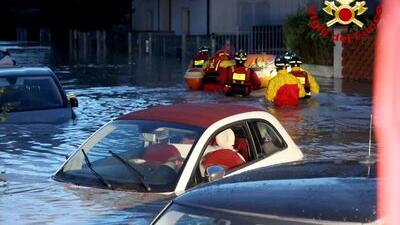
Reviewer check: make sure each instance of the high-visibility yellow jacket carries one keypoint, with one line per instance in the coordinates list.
(310, 84)
(284, 89)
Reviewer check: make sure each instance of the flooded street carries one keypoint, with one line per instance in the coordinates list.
(332, 125)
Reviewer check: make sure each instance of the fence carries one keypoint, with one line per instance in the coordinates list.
(42, 35)
(261, 39)
(22, 54)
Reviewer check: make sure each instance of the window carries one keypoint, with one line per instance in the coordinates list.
(228, 148)
(268, 139)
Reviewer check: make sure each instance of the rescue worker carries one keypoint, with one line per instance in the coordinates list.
(288, 55)
(229, 48)
(306, 79)
(200, 59)
(214, 65)
(239, 79)
(284, 88)
(212, 72)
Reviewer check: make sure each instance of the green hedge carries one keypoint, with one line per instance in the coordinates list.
(306, 42)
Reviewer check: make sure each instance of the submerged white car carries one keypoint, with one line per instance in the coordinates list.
(169, 149)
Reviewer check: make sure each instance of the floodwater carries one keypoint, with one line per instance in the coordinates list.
(332, 125)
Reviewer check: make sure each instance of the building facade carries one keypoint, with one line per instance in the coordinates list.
(203, 17)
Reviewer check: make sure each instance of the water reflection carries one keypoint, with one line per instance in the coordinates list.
(334, 124)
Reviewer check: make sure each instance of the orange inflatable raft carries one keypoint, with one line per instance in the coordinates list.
(194, 78)
(263, 65)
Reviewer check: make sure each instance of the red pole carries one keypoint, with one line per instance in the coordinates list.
(387, 111)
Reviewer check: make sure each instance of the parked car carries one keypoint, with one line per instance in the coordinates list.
(33, 95)
(295, 193)
(167, 149)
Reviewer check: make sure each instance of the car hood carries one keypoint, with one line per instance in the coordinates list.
(126, 199)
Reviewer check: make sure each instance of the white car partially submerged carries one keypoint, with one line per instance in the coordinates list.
(168, 149)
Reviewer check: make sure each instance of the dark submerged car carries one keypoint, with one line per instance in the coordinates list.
(300, 193)
(33, 95)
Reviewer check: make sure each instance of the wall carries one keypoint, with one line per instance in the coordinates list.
(144, 9)
(164, 15)
(358, 59)
(198, 16)
(228, 16)
(223, 16)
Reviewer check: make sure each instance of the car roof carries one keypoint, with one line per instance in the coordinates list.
(24, 71)
(197, 114)
(330, 191)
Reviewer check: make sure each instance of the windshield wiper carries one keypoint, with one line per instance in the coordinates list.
(135, 171)
(89, 165)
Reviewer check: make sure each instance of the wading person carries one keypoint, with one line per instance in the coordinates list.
(238, 79)
(212, 71)
(306, 79)
(284, 89)
(200, 59)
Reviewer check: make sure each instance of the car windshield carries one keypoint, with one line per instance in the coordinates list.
(29, 93)
(139, 155)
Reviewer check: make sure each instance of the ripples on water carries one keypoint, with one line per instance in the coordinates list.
(334, 124)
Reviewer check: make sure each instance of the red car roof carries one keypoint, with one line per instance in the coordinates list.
(201, 115)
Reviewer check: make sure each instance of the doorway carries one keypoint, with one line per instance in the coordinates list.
(185, 18)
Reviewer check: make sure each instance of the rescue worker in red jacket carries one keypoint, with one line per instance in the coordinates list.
(306, 79)
(284, 88)
(238, 79)
(214, 63)
(200, 59)
(212, 72)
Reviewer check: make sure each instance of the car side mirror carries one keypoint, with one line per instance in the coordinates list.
(73, 101)
(215, 172)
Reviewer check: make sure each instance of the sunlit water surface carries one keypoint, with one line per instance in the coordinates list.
(332, 125)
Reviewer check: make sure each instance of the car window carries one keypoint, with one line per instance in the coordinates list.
(29, 93)
(127, 154)
(268, 139)
(228, 148)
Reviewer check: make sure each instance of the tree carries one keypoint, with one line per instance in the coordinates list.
(306, 42)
